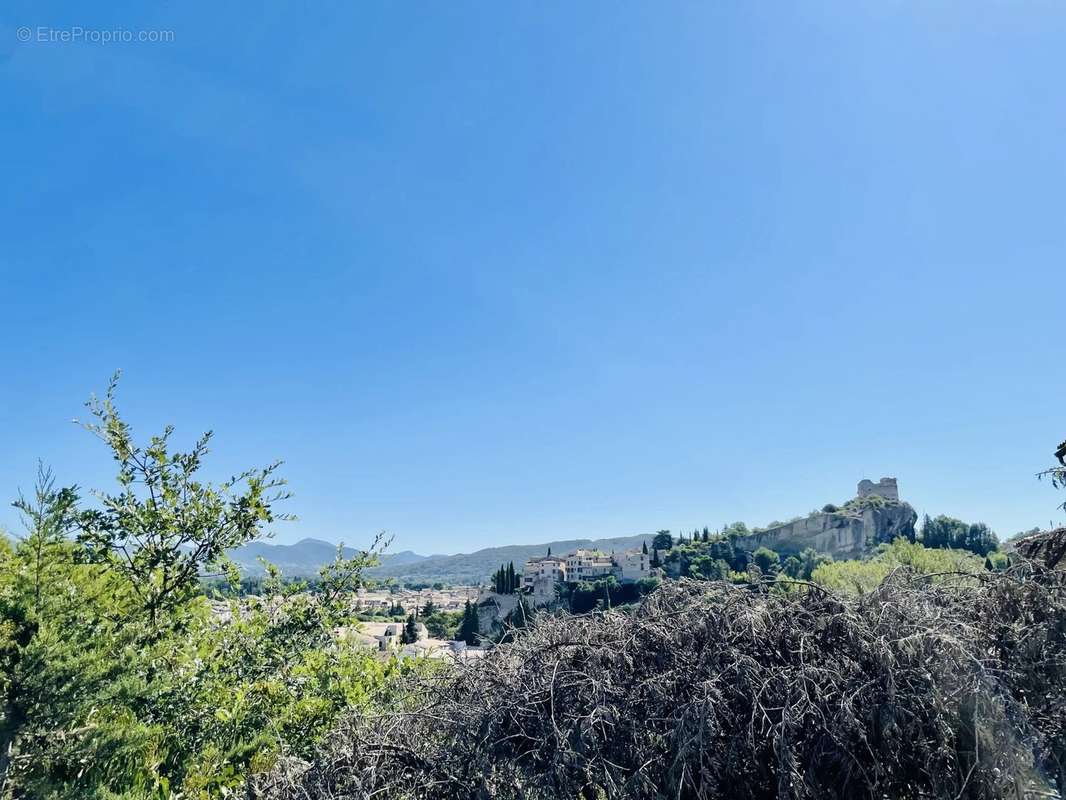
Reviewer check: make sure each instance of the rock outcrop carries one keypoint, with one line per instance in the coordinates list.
(493, 609)
(846, 532)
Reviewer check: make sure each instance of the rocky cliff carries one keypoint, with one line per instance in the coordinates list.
(847, 532)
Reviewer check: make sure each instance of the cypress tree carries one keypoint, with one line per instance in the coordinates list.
(644, 548)
(410, 631)
(468, 627)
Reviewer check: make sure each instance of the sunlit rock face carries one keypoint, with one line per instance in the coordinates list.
(847, 532)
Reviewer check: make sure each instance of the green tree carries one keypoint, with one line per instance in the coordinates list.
(104, 699)
(49, 518)
(766, 560)
(410, 631)
(809, 560)
(165, 526)
(792, 567)
(443, 624)
(736, 529)
(469, 627)
(662, 541)
(711, 569)
(33, 573)
(948, 532)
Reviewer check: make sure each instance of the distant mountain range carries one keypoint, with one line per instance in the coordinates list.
(304, 558)
(308, 555)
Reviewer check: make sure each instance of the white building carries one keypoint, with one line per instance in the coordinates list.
(635, 564)
(585, 565)
(551, 568)
(588, 565)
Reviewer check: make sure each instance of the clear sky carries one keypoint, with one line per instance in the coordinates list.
(488, 273)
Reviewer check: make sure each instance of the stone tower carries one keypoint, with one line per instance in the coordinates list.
(886, 488)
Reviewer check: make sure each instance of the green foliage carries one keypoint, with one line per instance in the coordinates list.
(860, 504)
(505, 580)
(802, 567)
(469, 626)
(736, 529)
(443, 624)
(662, 541)
(716, 558)
(607, 593)
(862, 577)
(164, 526)
(954, 533)
(119, 679)
(410, 631)
(710, 569)
(766, 560)
(997, 561)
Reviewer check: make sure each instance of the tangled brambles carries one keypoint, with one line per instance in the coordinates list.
(948, 687)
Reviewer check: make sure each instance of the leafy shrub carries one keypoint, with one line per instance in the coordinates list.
(866, 576)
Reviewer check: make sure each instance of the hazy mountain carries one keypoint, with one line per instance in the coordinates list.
(306, 557)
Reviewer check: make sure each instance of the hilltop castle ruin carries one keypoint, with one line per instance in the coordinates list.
(886, 488)
(848, 531)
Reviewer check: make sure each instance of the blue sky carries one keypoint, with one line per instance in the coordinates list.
(486, 273)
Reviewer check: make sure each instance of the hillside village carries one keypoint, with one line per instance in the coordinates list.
(874, 515)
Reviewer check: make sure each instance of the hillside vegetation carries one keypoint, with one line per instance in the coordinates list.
(916, 672)
(951, 688)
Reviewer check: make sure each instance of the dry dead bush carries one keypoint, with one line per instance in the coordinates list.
(946, 688)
